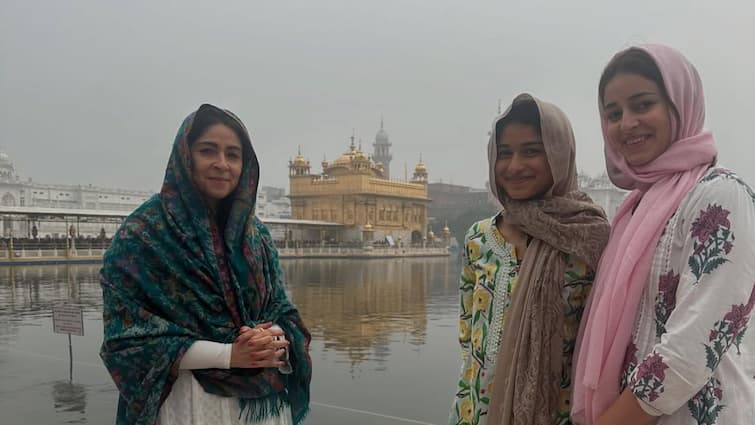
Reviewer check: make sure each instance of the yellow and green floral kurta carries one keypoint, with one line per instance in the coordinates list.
(488, 278)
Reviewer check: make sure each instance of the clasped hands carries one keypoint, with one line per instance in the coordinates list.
(259, 347)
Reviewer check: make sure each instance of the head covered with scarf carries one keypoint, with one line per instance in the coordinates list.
(564, 221)
(173, 276)
(658, 188)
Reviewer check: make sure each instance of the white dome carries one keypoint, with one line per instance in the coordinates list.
(5, 163)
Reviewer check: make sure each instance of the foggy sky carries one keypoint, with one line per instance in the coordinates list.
(94, 91)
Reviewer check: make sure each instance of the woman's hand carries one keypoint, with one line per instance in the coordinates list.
(258, 347)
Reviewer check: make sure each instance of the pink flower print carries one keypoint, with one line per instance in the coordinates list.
(737, 317)
(667, 284)
(713, 240)
(653, 366)
(730, 330)
(665, 301)
(647, 382)
(740, 314)
(709, 221)
(751, 301)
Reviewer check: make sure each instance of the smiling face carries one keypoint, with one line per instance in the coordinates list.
(521, 168)
(216, 163)
(636, 117)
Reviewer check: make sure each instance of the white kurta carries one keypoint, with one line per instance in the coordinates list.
(692, 360)
(189, 404)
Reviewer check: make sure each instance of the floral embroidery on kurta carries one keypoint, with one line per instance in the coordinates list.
(665, 301)
(706, 405)
(730, 330)
(647, 382)
(630, 362)
(488, 277)
(713, 240)
(691, 335)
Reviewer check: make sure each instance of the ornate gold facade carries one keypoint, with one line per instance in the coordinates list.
(352, 190)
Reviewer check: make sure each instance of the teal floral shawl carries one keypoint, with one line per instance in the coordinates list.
(170, 279)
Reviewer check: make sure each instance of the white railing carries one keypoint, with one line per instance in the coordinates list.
(21, 255)
(55, 254)
(367, 252)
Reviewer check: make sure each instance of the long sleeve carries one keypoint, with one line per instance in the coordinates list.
(207, 355)
(466, 290)
(706, 293)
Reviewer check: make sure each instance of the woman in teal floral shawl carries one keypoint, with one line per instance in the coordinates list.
(184, 269)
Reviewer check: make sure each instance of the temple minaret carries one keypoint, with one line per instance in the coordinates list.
(382, 150)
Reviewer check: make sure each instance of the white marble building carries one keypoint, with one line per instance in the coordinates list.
(18, 192)
(272, 202)
(602, 191)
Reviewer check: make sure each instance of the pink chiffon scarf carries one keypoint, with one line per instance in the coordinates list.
(657, 190)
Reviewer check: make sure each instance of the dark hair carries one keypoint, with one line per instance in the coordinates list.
(206, 117)
(638, 62)
(524, 112)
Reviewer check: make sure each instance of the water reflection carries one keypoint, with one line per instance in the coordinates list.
(27, 291)
(358, 308)
(383, 325)
(30, 292)
(70, 399)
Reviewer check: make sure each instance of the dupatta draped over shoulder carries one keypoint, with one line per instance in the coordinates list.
(526, 386)
(170, 278)
(658, 188)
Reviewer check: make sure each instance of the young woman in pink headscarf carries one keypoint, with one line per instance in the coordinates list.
(666, 339)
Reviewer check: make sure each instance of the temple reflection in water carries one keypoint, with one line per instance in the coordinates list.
(358, 311)
(387, 325)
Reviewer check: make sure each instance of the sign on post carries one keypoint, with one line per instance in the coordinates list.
(67, 319)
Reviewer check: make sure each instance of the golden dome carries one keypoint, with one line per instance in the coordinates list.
(430, 234)
(446, 230)
(355, 160)
(420, 168)
(346, 158)
(299, 161)
(361, 155)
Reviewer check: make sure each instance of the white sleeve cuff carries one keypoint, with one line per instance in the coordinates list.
(207, 355)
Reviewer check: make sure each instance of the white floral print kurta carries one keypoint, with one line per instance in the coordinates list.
(488, 277)
(692, 360)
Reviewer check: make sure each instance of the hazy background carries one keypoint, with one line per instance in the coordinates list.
(93, 91)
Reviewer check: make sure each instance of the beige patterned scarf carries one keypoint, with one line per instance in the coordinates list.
(527, 382)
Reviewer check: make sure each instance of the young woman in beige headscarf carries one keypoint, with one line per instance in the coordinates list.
(527, 273)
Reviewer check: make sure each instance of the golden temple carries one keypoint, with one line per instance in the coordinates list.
(354, 190)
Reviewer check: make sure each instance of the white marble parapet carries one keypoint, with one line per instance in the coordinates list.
(367, 252)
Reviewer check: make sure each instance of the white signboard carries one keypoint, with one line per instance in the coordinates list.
(67, 319)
